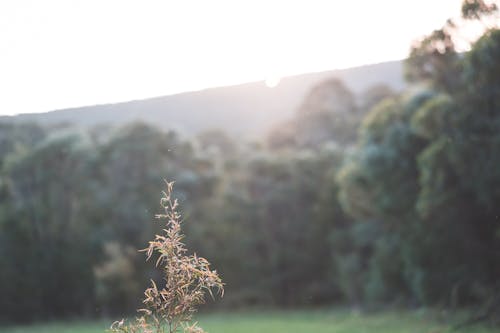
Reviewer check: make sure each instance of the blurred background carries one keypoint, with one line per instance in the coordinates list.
(365, 177)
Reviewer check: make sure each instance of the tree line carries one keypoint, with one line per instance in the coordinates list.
(391, 199)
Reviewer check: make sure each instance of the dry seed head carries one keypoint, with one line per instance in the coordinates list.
(186, 280)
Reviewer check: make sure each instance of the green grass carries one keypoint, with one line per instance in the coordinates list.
(320, 321)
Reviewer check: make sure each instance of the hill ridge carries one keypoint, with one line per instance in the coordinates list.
(247, 109)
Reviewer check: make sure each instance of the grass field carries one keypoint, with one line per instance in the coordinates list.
(321, 321)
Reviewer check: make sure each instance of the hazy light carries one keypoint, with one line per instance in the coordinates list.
(272, 81)
(58, 53)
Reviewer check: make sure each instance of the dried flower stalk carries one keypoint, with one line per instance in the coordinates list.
(187, 279)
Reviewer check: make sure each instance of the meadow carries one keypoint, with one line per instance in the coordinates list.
(367, 196)
(327, 321)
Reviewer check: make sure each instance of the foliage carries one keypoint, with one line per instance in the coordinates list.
(423, 174)
(477, 9)
(44, 230)
(329, 113)
(435, 59)
(396, 205)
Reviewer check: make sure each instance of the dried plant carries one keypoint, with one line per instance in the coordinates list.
(187, 279)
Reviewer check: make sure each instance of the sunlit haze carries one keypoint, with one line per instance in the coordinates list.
(61, 54)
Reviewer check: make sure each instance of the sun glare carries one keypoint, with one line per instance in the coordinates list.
(272, 81)
(35, 63)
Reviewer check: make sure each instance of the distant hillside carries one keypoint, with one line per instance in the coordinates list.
(245, 110)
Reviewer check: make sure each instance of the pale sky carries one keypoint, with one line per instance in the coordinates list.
(66, 53)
